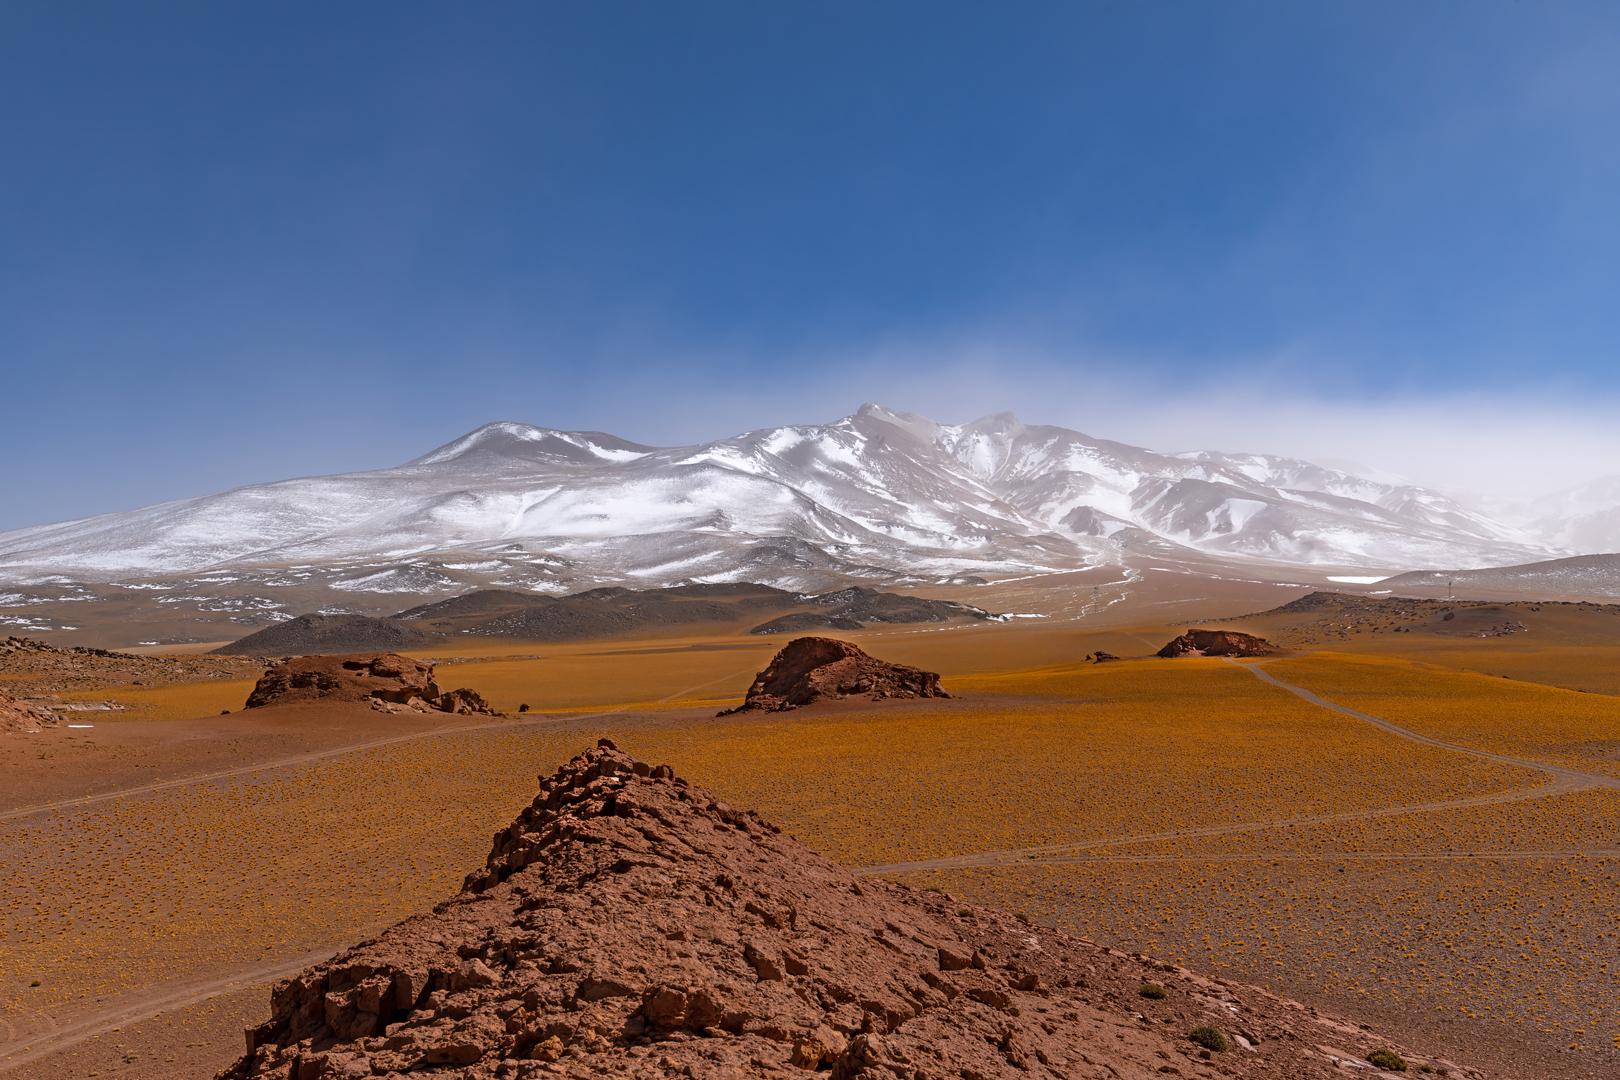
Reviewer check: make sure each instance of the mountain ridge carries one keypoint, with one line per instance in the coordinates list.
(878, 494)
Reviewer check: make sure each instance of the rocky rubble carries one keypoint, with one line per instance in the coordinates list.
(1218, 643)
(812, 669)
(390, 682)
(628, 924)
(25, 716)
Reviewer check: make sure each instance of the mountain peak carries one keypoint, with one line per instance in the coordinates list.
(507, 439)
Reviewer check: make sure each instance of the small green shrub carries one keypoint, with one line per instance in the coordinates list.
(1387, 1059)
(34, 983)
(964, 913)
(1021, 916)
(1208, 1038)
(1153, 990)
(933, 888)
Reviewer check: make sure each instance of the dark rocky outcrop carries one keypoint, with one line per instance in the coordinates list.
(388, 681)
(310, 634)
(628, 924)
(812, 669)
(1218, 643)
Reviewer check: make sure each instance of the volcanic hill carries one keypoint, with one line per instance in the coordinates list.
(329, 634)
(630, 924)
(811, 669)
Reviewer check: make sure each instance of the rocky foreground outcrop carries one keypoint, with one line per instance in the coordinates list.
(19, 715)
(812, 669)
(1218, 643)
(390, 682)
(629, 924)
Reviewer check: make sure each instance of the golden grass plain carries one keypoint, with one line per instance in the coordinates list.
(1384, 914)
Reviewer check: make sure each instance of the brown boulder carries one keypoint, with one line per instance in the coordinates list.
(389, 681)
(1218, 643)
(628, 924)
(811, 669)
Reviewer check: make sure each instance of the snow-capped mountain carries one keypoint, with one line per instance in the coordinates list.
(879, 494)
(1585, 518)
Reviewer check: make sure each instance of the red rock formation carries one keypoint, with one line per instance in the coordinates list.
(628, 924)
(16, 715)
(392, 683)
(811, 669)
(1218, 643)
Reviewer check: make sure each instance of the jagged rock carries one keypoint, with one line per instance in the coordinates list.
(628, 924)
(811, 669)
(18, 715)
(390, 682)
(1218, 643)
(1101, 657)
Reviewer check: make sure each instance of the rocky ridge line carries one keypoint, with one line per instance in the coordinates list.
(629, 924)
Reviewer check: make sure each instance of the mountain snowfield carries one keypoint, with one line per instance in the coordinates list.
(880, 494)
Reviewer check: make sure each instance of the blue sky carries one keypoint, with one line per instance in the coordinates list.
(244, 242)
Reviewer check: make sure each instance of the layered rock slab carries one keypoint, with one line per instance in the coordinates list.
(812, 669)
(630, 924)
(389, 681)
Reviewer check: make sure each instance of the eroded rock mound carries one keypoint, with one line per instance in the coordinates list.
(18, 715)
(1218, 643)
(811, 669)
(390, 682)
(628, 924)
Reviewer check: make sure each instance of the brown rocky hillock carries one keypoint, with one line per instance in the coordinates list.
(1218, 643)
(812, 669)
(629, 924)
(390, 682)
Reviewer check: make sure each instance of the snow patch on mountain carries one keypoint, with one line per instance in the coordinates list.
(879, 494)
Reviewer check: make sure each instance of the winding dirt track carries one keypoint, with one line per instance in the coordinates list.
(322, 755)
(17, 1051)
(20, 1051)
(1563, 781)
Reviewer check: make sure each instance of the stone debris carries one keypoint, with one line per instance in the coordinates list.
(390, 682)
(1218, 643)
(17, 714)
(812, 669)
(629, 924)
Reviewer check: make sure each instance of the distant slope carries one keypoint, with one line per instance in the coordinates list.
(1583, 575)
(613, 611)
(879, 495)
(308, 635)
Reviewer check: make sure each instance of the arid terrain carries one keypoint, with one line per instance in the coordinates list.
(1408, 821)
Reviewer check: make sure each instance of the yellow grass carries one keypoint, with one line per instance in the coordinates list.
(274, 864)
(1485, 712)
(179, 701)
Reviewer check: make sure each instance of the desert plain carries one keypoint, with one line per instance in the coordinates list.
(1408, 820)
